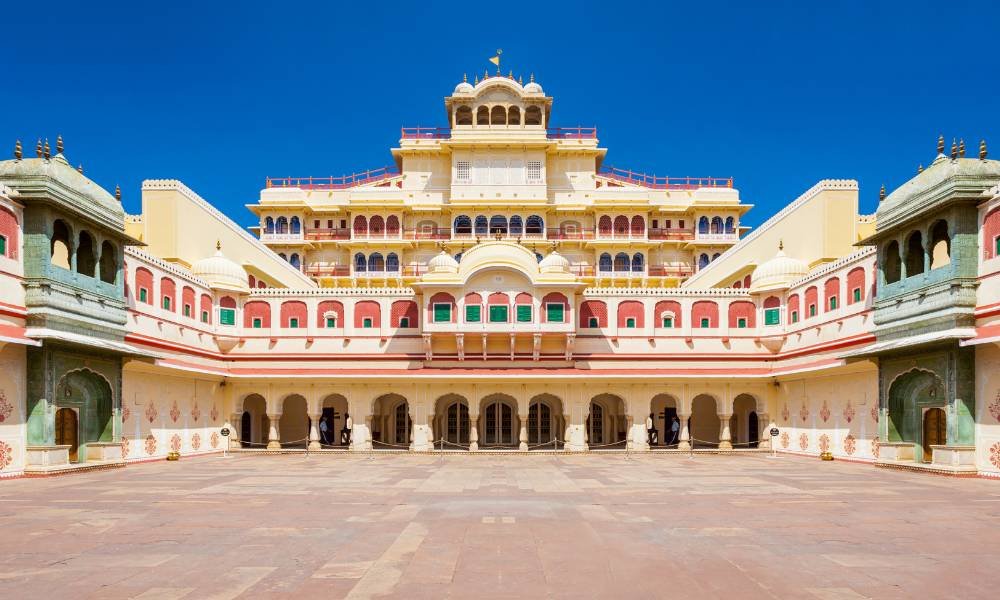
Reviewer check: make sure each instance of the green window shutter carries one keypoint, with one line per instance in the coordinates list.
(795, 316)
(227, 316)
(668, 322)
(554, 313)
(857, 294)
(187, 310)
(404, 322)
(833, 302)
(473, 313)
(741, 323)
(204, 316)
(996, 243)
(772, 316)
(498, 313)
(593, 323)
(257, 323)
(524, 313)
(166, 303)
(331, 322)
(293, 323)
(442, 313)
(3, 245)
(812, 310)
(705, 323)
(143, 295)
(630, 323)
(367, 323)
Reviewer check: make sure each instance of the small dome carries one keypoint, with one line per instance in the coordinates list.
(443, 263)
(777, 273)
(221, 273)
(533, 88)
(554, 263)
(463, 88)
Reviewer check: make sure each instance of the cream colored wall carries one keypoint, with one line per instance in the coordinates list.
(13, 400)
(988, 408)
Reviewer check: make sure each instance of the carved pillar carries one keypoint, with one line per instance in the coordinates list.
(235, 423)
(314, 431)
(273, 431)
(566, 430)
(473, 432)
(764, 435)
(725, 437)
(523, 436)
(685, 439)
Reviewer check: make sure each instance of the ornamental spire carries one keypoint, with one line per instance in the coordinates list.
(954, 149)
(59, 144)
(940, 144)
(881, 193)
(961, 148)
(920, 168)
(118, 193)
(38, 148)
(982, 149)
(18, 153)
(218, 245)
(47, 152)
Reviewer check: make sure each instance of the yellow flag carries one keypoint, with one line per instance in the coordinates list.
(495, 60)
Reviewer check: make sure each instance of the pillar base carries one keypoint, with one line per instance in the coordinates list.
(274, 445)
(725, 445)
(473, 446)
(684, 445)
(314, 445)
(764, 444)
(234, 444)
(523, 446)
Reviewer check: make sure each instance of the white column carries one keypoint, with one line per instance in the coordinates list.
(685, 439)
(473, 432)
(314, 431)
(523, 436)
(764, 435)
(273, 432)
(725, 437)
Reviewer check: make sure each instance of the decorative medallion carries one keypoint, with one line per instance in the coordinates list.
(784, 439)
(6, 408)
(150, 445)
(195, 440)
(824, 443)
(850, 444)
(151, 411)
(784, 413)
(175, 413)
(994, 408)
(803, 412)
(6, 455)
(126, 412)
(175, 443)
(849, 411)
(824, 413)
(875, 445)
(214, 439)
(195, 412)
(215, 413)
(875, 412)
(994, 455)
(125, 447)
(804, 441)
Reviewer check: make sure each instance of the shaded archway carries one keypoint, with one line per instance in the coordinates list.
(89, 397)
(606, 422)
(294, 422)
(909, 395)
(498, 421)
(545, 422)
(704, 422)
(451, 421)
(743, 425)
(664, 409)
(333, 412)
(253, 422)
(392, 424)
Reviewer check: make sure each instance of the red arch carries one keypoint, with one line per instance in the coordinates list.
(741, 310)
(812, 298)
(293, 309)
(367, 309)
(256, 309)
(168, 289)
(9, 229)
(772, 302)
(205, 306)
(855, 281)
(408, 309)
(392, 225)
(360, 224)
(705, 309)
(144, 280)
(555, 298)
(991, 231)
(793, 306)
(638, 225)
(330, 306)
(621, 224)
(604, 224)
(442, 298)
(831, 289)
(667, 306)
(187, 299)
(593, 309)
(630, 309)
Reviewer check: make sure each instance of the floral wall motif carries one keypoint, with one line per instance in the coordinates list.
(195, 441)
(784, 413)
(151, 412)
(125, 447)
(195, 412)
(994, 408)
(784, 439)
(215, 413)
(175, 442)
(875, 446)
(803, 412)
(995, 455)
(824, 413)
(214, 439)
(126, 412)
(850, 444)
(150, 445)
(6, 455)
(824, 443)
(804, 441)
(175, 412)
(875, 412)
(849, 411)
(6, 408)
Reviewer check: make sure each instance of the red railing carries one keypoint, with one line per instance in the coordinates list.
(669, 271)
(554, 233)
(333, 182)
(437, 233)
(425, 133)
(414, 270)
(671, 234)
(571, 133)
(582, 270)
(327, 270)
(328, 234)
(663, 182)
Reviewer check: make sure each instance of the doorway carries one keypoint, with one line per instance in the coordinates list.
(67, 432)
(499, 429)
(246, 429)
(935, 431)
(754, 431)
(458, 424)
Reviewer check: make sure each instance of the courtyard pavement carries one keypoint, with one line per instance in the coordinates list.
(739, 527)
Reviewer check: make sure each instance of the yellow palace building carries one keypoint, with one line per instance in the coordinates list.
(500, 287)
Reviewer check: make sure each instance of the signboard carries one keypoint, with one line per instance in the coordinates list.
(774, 432)
(225, 432)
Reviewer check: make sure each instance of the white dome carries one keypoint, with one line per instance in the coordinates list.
(554, 263)
(443, 263)
(777, 273)
(533, 88)
(221, 273)
(464, 88)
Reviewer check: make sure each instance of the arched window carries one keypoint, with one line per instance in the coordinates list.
(604, 264)
(392, 262)
(283, 256)
(538, 257)
(458, 257)
(360, 225)
(703, 225)
(376, 264)
(376, 225)
(85, 255)
(482, 116)
(514, 116)
(109, 262)
(716, 256)
(604, 225)
(463, 115)
(638, 225)
(463, 224)
(516, 225)
(392, 225)
(269, 225)
(892, 262)
(498, 224)
(360, 264)
(621, 262)
(296, 225)
(621, 225)
(294, 260)
(533, 115)
(730, 225)
(637, 262)
(940, 245)
(482, 226)
(717, 226)
(914, 254)
(498, 116)
(282, 225)
(534, 225)
(703, 261)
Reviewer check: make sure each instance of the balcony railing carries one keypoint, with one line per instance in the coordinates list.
(622, 234)
(328, 234)
(414, 270)
(582, 270)
(437, 233)
(377, 235)
(571, 133)
(669, 271)
(671, 234)
(327, 270)
(555, 233)
(718, 237)
(271, 236)
(465, 235)
(663, 182)
(333, 182)
(425, 133)
(552, 133)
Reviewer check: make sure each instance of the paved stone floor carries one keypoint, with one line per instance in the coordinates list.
(414, 527)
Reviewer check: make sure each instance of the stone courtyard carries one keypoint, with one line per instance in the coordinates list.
(462, 526)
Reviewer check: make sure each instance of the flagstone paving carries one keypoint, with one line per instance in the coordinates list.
(499, 527)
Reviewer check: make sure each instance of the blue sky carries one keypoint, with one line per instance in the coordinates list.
(777, 95)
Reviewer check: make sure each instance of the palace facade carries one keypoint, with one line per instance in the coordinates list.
(499, 288)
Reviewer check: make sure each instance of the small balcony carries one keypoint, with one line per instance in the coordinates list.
(671, 234)
(669, 271)
(273, 236)
(555, 233)
(327, 270)
(436, 233)
(377, 235)
(498, 235)
(717, 237)
(621, 234)
(328, 234)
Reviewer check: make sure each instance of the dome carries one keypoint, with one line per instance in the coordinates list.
(533, 88)
(443, 263)
(777, 273)
(554, 263)
(221, 273)
(463, 88)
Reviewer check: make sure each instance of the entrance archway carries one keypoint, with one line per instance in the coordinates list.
(704, 422)
(498, 414)
(67, 432)
(451, 420)
(743, 424)
(544, 420)
(935, 431)
(253, 422)
(606, 423)
(664, 410)
(391, 421)
(334, 414)
(294, 422)
(89, 398)
(910, 395)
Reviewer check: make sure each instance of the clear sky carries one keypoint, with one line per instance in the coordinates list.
(777, 95)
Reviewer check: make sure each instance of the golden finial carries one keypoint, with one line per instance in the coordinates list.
(881, 193)
(520, 79)
(532, 78)
(38, 148)
(47, 152)
(954, 149)
(781, 245)
(477, 79)
(511, 74)
(465, 78)
(961, 148)
(79, 168)
(59, 144)
(118, 193)
(486, 74)
(218, 245)
(17, 150)
(940, 146)
(920, 168)
(982, 150)
(498, 235)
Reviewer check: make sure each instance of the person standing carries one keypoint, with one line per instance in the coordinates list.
(675, 429)
(345, 434)
(650, 430)
(324, 431)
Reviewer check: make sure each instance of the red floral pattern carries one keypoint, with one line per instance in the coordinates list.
(785, 413)
(6, 455)
(175, 443)
(804, 441)
(875, 446)
(850, 445)
(784, 439)
(175, 412)
(995, 455)
(804, 412)
(994, 408)
(126, 413)
(824, 443)
(824, 413)
(849, 411)
(195, 441)
(150, 445)
(215, 413)
(195, 412)
(6, 408)
(875, 412)
(214, 439)
(125, 447)
(151, 411)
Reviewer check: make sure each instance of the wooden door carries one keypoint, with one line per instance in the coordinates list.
(67, 430)
(935, 431)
